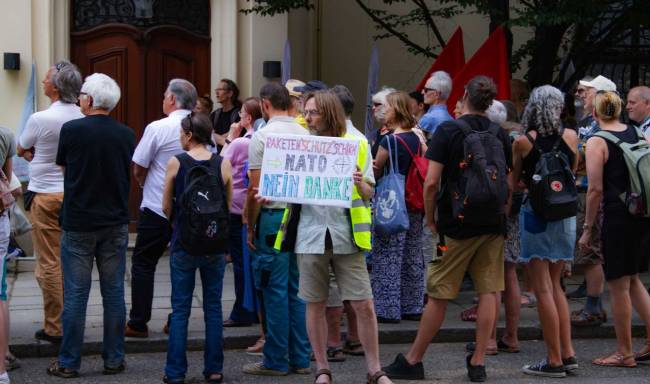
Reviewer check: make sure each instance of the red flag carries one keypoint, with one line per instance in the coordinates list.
(491, 60)
(450, 60)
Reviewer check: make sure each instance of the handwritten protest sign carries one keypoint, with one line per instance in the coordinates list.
(309, 169)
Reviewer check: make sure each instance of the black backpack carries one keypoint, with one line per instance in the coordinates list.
(552, 190)
(479, 196)
(203, 224)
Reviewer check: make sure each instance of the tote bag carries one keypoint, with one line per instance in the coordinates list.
(390, 209)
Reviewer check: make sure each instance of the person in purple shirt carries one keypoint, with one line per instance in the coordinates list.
(436, 92)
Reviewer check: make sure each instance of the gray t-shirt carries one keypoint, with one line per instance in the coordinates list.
(7, 145)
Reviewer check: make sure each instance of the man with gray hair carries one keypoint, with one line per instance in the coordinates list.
(95, 155)
(638, 107)
(158, 144)
(38, 144)
(436, 92)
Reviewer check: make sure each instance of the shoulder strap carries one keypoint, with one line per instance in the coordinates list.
(394, 166)
(609, 137)
(558, 141)
(405, 144)
(464, 126)
(494, 129)
(185, 160)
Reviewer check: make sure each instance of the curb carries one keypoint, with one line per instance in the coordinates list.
(389, 336)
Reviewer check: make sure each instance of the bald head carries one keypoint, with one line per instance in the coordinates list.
(638, 103)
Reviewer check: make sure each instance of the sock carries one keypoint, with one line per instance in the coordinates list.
(593, 305)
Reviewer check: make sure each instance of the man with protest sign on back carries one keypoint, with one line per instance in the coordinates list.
(276, 274)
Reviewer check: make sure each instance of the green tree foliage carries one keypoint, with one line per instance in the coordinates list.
(562, 29)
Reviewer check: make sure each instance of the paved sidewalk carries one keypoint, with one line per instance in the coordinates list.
(26, 317)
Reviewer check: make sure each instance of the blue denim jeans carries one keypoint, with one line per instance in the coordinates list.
(239, 313)
(276, 274)
(78, 249)
(183, 275)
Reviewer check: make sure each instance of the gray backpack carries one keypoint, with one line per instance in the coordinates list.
(637, 160)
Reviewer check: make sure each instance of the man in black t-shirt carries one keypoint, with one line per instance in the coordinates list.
(227, 94)
(95, 154)
(477, 249)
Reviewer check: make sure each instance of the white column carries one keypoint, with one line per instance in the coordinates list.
(259, 39)
(223, 50)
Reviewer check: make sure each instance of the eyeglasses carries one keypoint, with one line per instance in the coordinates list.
(83, 95)
(311, 112)
(581, 91)
(222, 89)
(59, 66)
(426, 90)
(376, 105)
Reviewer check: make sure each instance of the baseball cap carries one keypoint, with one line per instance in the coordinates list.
(291, 86)
(600, 83)
(311, 86)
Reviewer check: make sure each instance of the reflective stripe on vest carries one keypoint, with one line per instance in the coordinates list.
(360, 214)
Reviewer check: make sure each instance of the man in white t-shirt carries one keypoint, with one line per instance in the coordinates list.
(275, 273)
(38, 144)
(158, 144)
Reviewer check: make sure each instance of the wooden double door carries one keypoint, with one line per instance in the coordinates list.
(142, 62)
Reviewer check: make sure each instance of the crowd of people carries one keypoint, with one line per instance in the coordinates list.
(508, 186)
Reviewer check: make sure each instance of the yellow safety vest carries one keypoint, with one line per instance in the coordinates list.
(360, 213)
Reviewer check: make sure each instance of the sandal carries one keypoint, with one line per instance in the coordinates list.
(353, 348)
(322, 372)
(469, 314)
(643, 354)
(616, 359)
(528, 299)
(65, 373)
(503, 347)
(335, 355)
(374, 378)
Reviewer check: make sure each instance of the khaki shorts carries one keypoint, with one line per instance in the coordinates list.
(481, 256)
(350, 272)
(334, 298)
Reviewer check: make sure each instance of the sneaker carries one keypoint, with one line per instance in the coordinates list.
(41, 335)
(256, 349)
(476, 373)
(65, 373)
(543, 368)
(400, 369)
(570, 364)
(167, 380)
(260, 370)
(130, 332)
(114, 370)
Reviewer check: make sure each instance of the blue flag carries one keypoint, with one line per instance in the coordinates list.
(20, 165)
(286, 62)
(373, 79)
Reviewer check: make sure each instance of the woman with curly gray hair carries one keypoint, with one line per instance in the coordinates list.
(547, 244)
